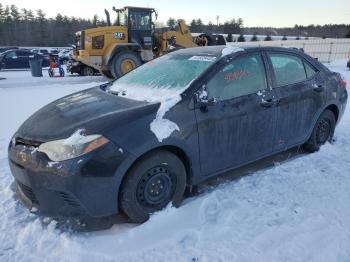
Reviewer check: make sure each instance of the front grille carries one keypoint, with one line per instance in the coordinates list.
(28, 192)
(70, 200)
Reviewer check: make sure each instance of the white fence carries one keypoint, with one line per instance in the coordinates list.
(325, 50)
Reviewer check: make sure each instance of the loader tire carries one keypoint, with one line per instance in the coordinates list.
(124, 62)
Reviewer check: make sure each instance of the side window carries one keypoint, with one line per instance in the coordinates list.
(289, 69)
(12, 54)
(310, 71)
(244, 75)
(98, 42)
(140, 21)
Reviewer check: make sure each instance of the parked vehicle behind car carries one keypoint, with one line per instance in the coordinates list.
(18, 59)
(65, 55)
(132, 146)
(76, 67)
(43, 52)
(3, 49)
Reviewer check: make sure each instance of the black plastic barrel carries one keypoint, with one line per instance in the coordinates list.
(35, 63)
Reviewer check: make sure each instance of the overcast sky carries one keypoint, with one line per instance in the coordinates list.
(277, 13)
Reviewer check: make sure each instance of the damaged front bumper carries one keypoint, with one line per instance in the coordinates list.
(81, 187)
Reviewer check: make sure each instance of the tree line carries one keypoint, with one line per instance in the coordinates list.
(25, 27)
(233, 26)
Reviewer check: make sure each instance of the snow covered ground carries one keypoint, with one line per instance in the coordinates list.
(296, 210)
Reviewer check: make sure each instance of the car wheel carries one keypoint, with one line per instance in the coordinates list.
(124, 63)
(88, 71)
(151, 184)
(322, 132)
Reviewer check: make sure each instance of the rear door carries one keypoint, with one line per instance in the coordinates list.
(300, 94)
(239, 126)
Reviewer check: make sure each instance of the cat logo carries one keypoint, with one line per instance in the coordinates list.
(119, 35)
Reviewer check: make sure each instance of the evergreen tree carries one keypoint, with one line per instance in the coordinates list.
(241, 38)
(14, 13)
(95, 20)
(193, 26)
(254, 38)
(2, 19)
(2, 13)
(229, 38)
(199, 25)
(42, 28)
(268, 38)
(171, 22)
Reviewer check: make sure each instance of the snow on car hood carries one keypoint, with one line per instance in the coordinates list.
(167, 97)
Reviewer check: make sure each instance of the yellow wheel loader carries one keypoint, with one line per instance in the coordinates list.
(116, 50)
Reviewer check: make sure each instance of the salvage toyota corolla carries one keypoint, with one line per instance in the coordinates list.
(133, 145)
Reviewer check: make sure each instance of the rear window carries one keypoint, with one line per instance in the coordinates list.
(288, 69)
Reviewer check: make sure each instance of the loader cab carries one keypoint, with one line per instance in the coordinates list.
(139, 23)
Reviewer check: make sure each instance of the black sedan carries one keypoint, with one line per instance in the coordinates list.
(135, 144)
(18, 59)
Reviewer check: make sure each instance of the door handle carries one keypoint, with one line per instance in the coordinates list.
(269, 102)
(318, 88)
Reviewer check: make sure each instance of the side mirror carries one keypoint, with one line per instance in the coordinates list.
(201, 99)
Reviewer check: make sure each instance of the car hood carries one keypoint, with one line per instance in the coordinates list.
(93, 110)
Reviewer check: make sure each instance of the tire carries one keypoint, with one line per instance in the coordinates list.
(322, 132)
(87, 71)
(151, 184)
(124, 62)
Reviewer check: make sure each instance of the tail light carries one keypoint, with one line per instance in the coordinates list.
(343, 82)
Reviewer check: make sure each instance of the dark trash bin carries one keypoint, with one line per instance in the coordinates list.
(35, 63)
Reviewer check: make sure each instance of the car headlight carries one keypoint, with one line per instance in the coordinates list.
(72, 147)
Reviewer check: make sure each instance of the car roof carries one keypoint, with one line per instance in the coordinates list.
(217, 50)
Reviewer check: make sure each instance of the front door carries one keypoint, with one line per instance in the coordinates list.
(239, 125)
(11, 60)
(140, 28)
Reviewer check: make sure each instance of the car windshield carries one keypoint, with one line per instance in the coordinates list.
(172, 72)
